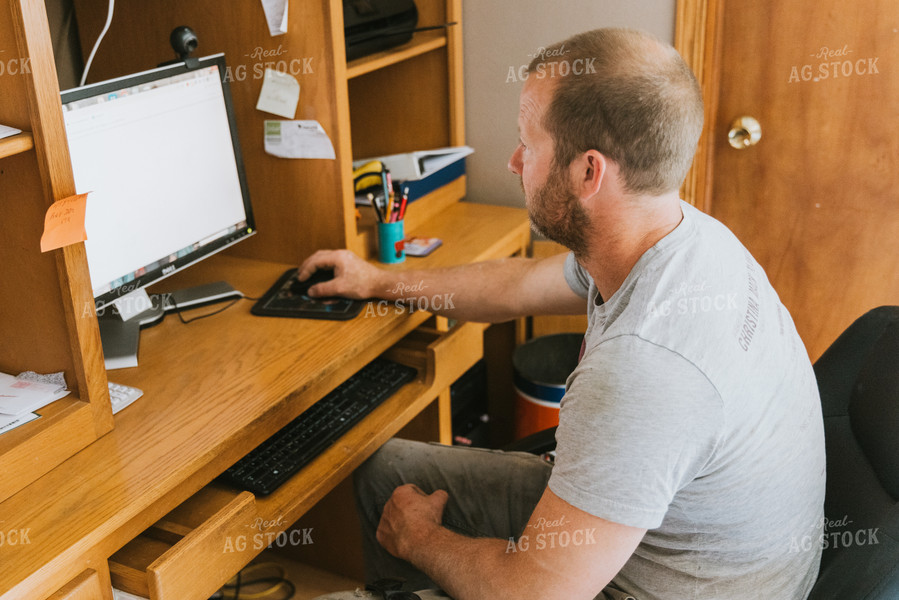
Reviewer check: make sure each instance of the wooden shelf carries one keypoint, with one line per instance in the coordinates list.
(22, 142)
(49, 414)
(46, 327)
(422, 43)
(64, 428)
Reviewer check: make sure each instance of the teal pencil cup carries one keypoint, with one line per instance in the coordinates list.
(391, 242)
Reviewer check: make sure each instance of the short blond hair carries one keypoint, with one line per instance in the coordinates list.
(638, 104)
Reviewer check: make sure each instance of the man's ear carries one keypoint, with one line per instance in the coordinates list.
(590, 170)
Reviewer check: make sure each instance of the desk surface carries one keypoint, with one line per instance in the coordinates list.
(213, 389)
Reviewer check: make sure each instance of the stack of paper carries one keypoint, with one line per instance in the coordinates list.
(18, 397)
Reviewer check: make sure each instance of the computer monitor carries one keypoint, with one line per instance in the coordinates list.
(159, 152)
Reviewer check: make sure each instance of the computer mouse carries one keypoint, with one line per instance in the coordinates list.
(300, 288)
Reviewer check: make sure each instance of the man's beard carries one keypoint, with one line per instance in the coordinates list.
(557, 214)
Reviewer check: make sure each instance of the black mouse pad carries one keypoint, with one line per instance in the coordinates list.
(288, 298)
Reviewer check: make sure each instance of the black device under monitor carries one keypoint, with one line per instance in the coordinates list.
(159, 152)
(289, 297)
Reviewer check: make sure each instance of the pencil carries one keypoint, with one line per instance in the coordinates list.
(403, 203)
(385, 178)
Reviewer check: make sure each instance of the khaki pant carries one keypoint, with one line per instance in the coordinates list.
(491, 494)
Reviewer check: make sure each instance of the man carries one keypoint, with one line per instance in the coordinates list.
(690, 447)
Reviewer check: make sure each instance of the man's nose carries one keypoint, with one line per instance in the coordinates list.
(515, 161)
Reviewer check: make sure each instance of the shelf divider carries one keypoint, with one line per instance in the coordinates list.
(16, 144)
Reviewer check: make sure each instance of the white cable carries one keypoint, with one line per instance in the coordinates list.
(90, 59)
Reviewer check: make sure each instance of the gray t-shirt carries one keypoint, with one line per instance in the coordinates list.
(694, 413)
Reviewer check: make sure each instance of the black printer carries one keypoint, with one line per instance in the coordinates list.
(374, 25)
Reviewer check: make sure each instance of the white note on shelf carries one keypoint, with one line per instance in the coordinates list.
(8, 423)
(279, 95)
(19, 397)
(276, 15)
(8, 131)
(298, 139)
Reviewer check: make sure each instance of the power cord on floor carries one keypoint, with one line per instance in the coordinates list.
(260, 581)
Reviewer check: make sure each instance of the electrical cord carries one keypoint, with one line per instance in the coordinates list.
(215, 312)
(198, 317)
(255, 577)
(90, 59)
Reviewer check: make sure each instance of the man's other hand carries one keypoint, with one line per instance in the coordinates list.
(407, 519)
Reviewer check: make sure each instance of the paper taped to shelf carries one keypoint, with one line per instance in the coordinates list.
(297, 139)
(276, 16)
(280, 94)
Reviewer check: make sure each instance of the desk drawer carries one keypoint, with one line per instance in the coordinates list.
(192, 551)
(442, 356)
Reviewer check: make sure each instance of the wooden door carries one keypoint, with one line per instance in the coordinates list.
(816, 200)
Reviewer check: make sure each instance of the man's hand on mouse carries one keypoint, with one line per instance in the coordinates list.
(353, 277)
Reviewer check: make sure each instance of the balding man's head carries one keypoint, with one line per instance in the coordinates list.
(627, 95)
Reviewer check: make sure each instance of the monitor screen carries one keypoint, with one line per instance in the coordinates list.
(159, 153)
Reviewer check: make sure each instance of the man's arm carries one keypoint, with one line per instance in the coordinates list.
(492, 291)
(564, 553)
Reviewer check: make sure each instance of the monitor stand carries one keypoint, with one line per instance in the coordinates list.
(120, 325)
(120, 328)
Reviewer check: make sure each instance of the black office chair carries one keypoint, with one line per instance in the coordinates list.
(858, 377)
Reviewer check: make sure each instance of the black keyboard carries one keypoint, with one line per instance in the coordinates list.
(276, 459)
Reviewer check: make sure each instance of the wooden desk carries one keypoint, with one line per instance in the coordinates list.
(214, 389)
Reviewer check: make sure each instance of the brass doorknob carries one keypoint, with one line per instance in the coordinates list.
(744, 132)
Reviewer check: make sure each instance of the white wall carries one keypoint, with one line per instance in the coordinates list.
(499, 34)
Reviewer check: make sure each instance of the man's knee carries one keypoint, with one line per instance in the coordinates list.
(377, 477)
(382, 461)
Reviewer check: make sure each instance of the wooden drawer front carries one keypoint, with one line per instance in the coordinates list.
(442, 356)
(178, 559)
(87, 586)
(455, 352)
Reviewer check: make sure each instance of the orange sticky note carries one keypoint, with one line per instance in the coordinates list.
(64, 223)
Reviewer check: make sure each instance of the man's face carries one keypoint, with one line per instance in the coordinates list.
(532, 158)
(555, 211)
